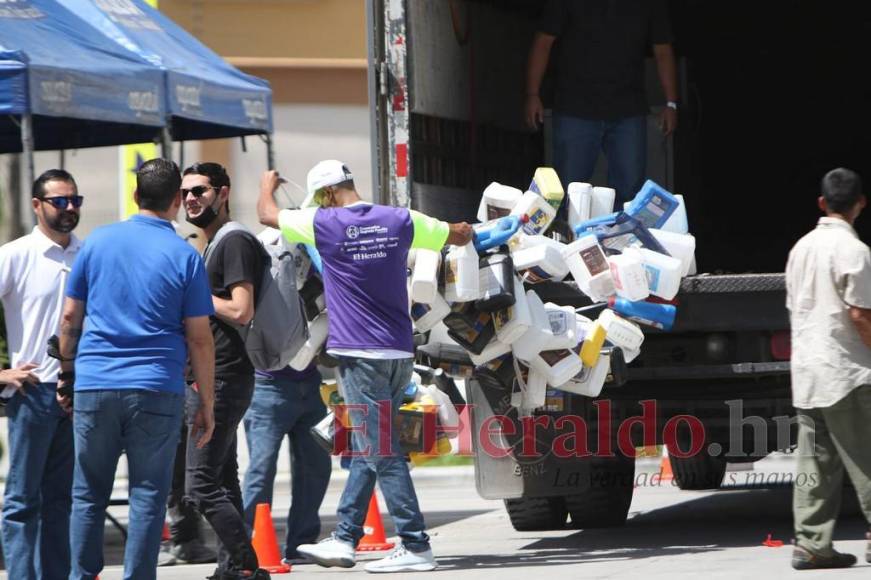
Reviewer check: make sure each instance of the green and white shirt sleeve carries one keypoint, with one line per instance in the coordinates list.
(429, 233)
(298, 225)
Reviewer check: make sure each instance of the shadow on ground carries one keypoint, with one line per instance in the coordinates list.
(728, 518)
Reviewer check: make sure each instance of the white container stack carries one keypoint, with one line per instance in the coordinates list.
(552, 345)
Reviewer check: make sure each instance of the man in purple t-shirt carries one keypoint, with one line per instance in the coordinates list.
(364, 248)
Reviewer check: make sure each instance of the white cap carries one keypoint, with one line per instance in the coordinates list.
(327, 173)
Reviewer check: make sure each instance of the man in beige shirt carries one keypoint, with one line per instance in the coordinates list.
(828, 294)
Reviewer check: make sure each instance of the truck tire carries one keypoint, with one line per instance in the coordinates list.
(605, 503)
(698, 472)
(534, 514)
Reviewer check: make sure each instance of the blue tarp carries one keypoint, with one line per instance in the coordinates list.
(82, 89)
(206, 97)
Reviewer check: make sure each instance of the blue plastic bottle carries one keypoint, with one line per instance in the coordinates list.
(315, 257)
(659, 316)
(603, 220)
(625, 231)
(497, 232)
(653, 205)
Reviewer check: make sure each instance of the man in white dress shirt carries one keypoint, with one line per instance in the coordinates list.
(33, 270)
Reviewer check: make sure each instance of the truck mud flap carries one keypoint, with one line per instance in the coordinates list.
(524, 463)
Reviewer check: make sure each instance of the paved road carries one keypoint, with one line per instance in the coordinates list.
(670, 534)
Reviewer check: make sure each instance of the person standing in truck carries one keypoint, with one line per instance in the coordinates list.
(364, 248)
(828, 294)
(600, 102)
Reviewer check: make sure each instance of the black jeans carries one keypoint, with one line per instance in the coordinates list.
(184, 519)
(213, 474)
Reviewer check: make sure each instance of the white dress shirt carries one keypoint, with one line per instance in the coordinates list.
(33, 272)
(829, 271)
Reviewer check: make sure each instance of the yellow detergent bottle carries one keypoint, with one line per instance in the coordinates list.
(592, 346)
(546, 183)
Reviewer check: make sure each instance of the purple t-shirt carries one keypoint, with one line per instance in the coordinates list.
(364, 248)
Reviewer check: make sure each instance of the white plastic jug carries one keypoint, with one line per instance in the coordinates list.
(580, 202)
(540, 262)
(538, 335)
(538, 211)
(497, 201)
(511, 323)
(663, 272)
(558, 366)
(589, 381)
(447, 413)
(680, 246)
(602, 202)
(426, 316)
(536, 390)
(424, 278)
(494, 349)
(317, 330)
(563, 325)
(630, 278)
(621, 332)
(461, 274)
(677, 223)
(589, 267)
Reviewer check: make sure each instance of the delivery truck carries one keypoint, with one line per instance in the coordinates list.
(772, 96)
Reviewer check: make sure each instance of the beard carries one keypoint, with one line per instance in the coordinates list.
(64, 222)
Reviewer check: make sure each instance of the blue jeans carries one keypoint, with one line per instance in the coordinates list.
(36, 504)
(368, 382)
(146, 426)
(577, 143)
(284, 407)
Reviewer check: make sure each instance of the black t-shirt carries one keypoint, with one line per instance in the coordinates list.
(600, 54)
(238, 257)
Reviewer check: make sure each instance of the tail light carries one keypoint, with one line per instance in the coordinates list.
(781, 345)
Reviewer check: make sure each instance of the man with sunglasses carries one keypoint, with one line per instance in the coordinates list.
(235, 268)
(33, 269)
(364, 248)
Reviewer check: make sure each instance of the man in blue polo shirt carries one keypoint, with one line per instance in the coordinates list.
(138, 303)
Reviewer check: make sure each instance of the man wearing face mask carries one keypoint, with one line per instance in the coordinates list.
(33, 270)
(364, 248)
(234, 266)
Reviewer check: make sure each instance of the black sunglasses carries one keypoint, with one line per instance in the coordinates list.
(198, 190)
(64, 202)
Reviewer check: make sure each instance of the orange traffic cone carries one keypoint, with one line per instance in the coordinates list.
(374, 539)
(264, 543)
(665, 472)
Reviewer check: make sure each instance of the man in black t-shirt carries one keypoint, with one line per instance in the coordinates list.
(600, 102)
(234, 266)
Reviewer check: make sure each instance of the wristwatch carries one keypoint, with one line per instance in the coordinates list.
(672, 105)
(66, 376)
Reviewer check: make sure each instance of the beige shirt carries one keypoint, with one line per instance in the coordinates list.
(828, 271)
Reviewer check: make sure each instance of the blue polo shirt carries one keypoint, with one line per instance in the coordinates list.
(139, 281)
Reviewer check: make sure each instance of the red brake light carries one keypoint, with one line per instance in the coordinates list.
(781, 345)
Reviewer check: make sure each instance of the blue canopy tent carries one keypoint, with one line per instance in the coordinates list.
(207, 98)
(63, 85)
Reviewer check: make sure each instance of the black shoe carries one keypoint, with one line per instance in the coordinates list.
(221, 574)
(868, 548)
(803, 559)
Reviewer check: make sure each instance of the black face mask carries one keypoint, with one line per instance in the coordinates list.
(64, 222)
(204, 219)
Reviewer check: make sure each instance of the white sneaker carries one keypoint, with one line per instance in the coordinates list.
(401, 560)
(329, 552)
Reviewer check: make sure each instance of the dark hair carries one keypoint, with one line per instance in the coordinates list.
(216, 173)
(842, 189)
(349, 184)
(157, 183)
(51, 175)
